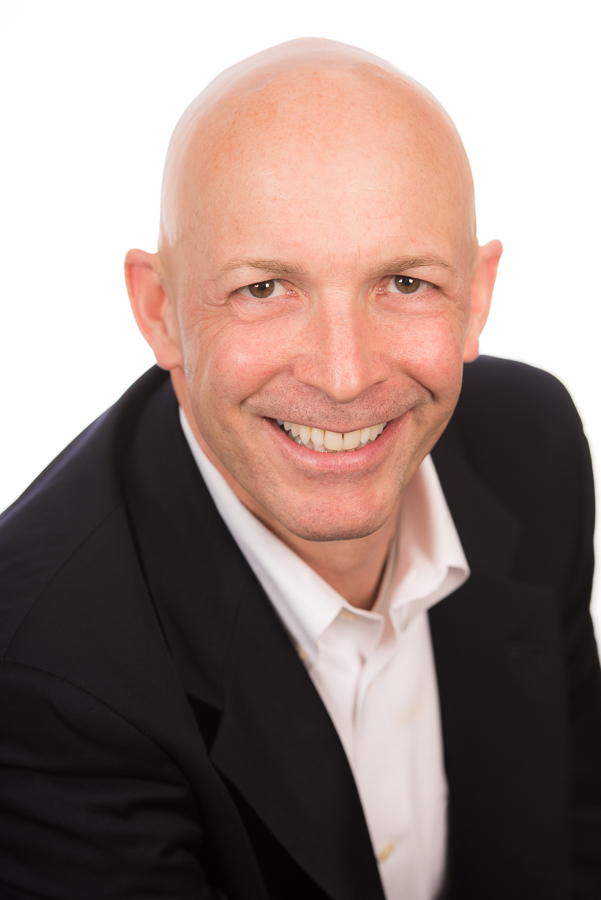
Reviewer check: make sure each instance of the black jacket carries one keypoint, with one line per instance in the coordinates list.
(126, 772)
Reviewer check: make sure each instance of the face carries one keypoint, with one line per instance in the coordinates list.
(323, 284)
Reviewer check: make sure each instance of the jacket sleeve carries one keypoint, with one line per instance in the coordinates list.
(584, 696)
(89, 806)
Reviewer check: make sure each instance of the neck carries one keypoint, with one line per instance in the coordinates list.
(353, 568)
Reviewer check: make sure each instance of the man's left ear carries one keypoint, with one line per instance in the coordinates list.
(483, 282)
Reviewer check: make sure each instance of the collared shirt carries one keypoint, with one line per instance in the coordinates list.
(373, 669)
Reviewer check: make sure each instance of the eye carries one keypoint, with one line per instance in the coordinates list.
(261, 290)
(407, 285)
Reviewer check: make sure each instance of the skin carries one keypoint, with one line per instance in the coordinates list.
(325, 170)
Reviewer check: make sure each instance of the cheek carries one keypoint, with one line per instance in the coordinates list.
(227, 364)
(431, 352)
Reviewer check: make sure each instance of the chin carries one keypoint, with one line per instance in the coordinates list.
(341, 534)
(335, 528)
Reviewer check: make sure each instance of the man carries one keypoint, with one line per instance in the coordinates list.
(257, 644)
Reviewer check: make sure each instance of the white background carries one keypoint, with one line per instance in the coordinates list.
(91, 91)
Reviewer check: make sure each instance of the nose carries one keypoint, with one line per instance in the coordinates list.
(344, 354)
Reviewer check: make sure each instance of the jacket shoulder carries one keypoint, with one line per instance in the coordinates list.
(65, 505)
(519, 431)
(504, 395)
(515, 419)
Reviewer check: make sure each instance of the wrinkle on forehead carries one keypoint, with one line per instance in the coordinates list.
(325, 104)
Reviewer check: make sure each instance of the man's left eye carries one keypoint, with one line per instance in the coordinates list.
(405, 284)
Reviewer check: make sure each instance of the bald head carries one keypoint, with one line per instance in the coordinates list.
(303, 109)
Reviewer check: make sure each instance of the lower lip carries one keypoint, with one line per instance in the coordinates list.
(341, 461)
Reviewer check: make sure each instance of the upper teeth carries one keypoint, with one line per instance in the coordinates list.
(319, 439)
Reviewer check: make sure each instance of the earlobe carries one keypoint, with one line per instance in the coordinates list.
(483, 282)
(153, 308)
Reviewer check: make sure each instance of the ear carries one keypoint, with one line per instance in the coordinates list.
(153, 308)
(483, 282)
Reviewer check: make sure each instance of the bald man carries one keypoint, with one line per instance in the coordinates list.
(293, 619)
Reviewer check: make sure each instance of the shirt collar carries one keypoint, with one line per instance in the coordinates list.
(426, 563)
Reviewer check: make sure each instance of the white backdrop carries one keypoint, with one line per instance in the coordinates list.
(90, 92)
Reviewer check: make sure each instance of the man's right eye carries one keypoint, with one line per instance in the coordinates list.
(261, 289)
(264, 290)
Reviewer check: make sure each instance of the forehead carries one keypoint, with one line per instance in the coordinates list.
(353, 157)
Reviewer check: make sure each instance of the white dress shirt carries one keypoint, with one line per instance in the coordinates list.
(373, 669)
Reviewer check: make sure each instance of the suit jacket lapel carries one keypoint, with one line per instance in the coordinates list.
(277, 745)
(271, 735)
(497, 642)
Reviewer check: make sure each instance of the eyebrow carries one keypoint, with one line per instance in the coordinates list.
(401, 263)
(277, 266)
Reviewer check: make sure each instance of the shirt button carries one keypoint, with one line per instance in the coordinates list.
(303, 655)
(385, 851)
(345, 614)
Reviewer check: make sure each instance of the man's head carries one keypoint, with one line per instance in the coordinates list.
(317, 265)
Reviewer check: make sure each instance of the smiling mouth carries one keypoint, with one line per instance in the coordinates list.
(331, 441)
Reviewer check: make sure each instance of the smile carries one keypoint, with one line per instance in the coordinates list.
(331, 441)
